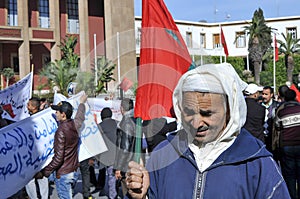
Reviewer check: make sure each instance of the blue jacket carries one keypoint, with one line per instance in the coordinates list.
(245, 170)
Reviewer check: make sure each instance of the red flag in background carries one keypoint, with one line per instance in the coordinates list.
(293, 87)
(163, 59)
(275, 48)
(126, 84)
(223, 42)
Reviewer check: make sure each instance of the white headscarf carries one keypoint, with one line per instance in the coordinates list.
(214, 78)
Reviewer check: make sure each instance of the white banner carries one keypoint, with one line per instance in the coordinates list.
(96, 106)
(27, 146)
(14, 99)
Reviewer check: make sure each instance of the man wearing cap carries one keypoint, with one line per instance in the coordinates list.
(66, 139)
(255, 118)
(211, 156)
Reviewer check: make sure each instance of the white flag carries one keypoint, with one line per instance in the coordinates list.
(14, 99)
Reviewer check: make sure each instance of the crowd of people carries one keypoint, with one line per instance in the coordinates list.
(228, 139)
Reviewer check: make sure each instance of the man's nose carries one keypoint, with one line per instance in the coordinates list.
(197, 121)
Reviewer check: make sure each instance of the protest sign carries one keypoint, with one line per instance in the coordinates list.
(14, 99)
(27, 146)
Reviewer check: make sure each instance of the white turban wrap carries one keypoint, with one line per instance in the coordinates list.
(214, 78)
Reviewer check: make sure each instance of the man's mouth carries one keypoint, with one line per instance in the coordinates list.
(201, 131)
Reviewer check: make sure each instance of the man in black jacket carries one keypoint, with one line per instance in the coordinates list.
(255, 113)
(125, 141)
(109, 132)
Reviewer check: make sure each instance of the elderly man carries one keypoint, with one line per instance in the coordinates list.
(211, 156)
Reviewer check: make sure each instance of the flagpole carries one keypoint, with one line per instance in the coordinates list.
(274, 66)
(2, 83)
(118, 51)
(221, 46)
(95, 60)
(247, 51)
(138, 141)
(32, 69)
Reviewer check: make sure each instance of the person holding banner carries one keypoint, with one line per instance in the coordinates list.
(65, 162)
(3, 121)
(33, 106)
(211, 156)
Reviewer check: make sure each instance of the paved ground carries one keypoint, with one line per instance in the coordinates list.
(77, 192)
(78, 189)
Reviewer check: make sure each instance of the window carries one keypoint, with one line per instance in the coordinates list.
(73, 19)
(202, 40)
(292, 31)
(240, 40)
(44, 13)
(138, 36)
(189, 41)
(216, 40)
(12, 12)
(14, 61)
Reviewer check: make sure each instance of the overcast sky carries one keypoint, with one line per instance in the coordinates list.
(222, 10)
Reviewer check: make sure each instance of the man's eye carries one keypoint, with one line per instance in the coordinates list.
(206, 113)
(188, 112)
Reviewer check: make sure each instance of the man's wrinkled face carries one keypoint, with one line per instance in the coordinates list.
(204, 115)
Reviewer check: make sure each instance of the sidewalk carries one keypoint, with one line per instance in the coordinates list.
(77, 191)
(78, 188)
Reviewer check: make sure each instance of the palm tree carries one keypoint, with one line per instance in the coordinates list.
(259, 41)
(61, 72)
(8, 73)
(105, 73)
(67, 48)
(288, 47)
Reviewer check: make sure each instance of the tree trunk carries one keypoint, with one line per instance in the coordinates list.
(257, 70)
(290, 68)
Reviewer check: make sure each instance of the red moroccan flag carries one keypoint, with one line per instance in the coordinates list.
(293, 87)
(163, 59)
(224, 43)
(275, 48)
(126, 84)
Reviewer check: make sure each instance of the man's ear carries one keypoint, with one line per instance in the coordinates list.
(63, 114)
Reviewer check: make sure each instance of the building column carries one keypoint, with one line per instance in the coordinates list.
(24, 48)
(55, 25)
(85, 64)
(119, 17)
(1, 56)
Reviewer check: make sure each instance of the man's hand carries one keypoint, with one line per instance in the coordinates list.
(38, 175)
(137, 180)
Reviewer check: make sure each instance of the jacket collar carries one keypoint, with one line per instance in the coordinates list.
(245, 147)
